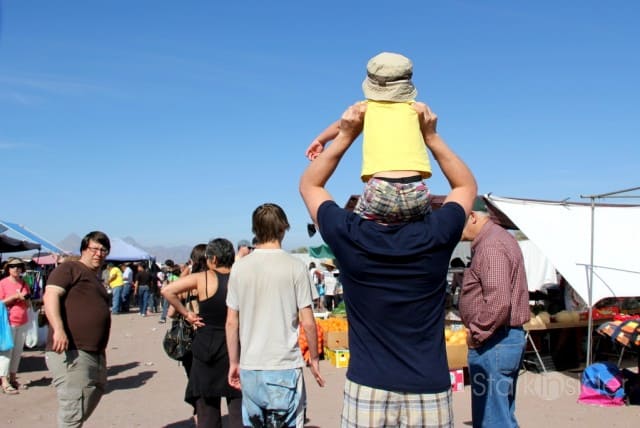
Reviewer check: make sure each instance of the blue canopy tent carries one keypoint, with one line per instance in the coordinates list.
(32, 236)
(122, 251)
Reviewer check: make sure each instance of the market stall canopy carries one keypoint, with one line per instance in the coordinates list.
(539, 269)
(12, 245)
(32, 236)
(562, 231)
(321, 252)
(122, 251)
(46, 259)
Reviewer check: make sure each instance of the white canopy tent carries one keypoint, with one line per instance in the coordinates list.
(540, 271)
(591, 245)
(562, 231)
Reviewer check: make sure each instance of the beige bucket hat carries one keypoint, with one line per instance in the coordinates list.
(329, 263)
(389, 78)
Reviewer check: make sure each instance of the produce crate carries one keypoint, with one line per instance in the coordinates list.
(457, 356)
(336, 339)
(338, 357)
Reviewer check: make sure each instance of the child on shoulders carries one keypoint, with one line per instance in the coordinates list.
(394, 155)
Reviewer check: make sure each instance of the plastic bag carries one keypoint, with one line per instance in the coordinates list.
(31, 340)
(6, 335)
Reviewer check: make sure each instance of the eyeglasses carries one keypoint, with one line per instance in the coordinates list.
(98, 250)
(16, 266)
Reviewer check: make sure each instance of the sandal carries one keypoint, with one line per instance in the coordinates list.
(9, 390)
(17, 385)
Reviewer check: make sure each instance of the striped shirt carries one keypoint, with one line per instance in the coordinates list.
(494, 290)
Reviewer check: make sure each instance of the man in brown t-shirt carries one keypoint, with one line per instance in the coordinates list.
(494, 304)
(77, 307)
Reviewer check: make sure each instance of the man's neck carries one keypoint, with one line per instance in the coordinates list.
(88, 265)
(271, 245)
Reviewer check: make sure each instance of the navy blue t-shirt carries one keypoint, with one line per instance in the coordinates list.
(394, 280)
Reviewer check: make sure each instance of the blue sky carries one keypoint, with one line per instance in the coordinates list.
(171, 121)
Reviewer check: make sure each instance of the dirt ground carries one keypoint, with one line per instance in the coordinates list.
(146, 389)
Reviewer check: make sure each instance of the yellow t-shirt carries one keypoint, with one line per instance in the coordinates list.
(117, 281)
(392, 140)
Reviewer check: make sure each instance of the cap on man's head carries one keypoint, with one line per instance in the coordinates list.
(243, 243)
(389, 78)
(479, 205)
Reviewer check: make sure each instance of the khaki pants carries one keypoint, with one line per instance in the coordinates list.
(80, 379)
(10, 360)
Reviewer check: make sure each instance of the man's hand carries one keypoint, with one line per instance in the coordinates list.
(60, 341)
(352, 121)
(314, 149)
(314, 366)
(471, 344)
(428, 119)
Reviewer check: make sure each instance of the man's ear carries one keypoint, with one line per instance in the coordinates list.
(471, 218)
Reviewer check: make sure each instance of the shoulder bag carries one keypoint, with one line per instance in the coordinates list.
(177, 340)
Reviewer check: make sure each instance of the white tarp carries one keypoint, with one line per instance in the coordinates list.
(562, 231)
(538, 267)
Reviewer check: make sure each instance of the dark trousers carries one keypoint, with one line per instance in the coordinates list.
(330, 302)
(209, 414)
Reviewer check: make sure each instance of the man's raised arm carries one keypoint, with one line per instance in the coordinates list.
(320, 170)
(463, 184)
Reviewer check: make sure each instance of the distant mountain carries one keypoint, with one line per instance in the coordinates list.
(71, 243)
(178, 254)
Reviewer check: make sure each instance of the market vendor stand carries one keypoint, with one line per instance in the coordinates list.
(625, 333)
(545, 329)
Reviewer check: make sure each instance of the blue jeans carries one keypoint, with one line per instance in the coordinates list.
(273, 398)
(116, 300)
(126, 296)
(165, 309)
(493, 369)
(153, 302)
(143, 298)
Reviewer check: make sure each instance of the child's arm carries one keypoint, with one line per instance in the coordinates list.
(317, 145)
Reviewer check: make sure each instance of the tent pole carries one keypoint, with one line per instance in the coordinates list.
(615, 194)
(590, 305)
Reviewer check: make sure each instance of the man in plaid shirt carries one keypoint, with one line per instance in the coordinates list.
(494, 304)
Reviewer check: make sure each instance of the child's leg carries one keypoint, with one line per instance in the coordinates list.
(390, 200)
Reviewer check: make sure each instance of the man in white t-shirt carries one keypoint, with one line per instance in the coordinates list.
(330, 284)
(127, 287)
(317, 285)
(269, 293)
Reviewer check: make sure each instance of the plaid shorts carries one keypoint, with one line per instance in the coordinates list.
(369, 407)
(393, 202)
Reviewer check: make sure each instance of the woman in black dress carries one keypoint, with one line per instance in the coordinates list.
(210, 364)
